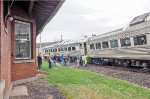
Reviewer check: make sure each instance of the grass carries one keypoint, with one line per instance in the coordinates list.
(83, 84)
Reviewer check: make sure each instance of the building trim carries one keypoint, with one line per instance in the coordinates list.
(23, 19)
(24, 61)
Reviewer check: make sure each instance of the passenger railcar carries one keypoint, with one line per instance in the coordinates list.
(128, 46)
(70, 47)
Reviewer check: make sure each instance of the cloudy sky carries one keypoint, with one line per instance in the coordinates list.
(78, 18)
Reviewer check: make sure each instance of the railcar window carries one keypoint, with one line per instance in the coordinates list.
(73, 48)
(98, 45)
(55, 50)
(62, 49)
(140, 40)
(69, 48)
(105, 44)
(114, 43)
(80, 46)
(65, 49)
(59, 49)
(125, 42)
(92, 46)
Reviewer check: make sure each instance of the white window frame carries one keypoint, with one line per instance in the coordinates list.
(27, 23)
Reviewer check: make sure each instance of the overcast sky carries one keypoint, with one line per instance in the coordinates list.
(77, 18)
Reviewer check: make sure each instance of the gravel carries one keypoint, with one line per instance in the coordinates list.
(40, 90)
(141, 79)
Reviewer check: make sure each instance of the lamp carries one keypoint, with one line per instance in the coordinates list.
(8, 16)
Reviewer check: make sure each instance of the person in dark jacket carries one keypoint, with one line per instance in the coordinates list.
(49, 61)
(54, 59)
(39, 59)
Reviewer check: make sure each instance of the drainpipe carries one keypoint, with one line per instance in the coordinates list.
(2, 86)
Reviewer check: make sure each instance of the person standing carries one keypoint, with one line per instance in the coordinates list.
(54, 59)
(68, 60)
(85, 60)
(49, 61)
(78, 60)
(62, 59)
(65, 61)
(39, 59)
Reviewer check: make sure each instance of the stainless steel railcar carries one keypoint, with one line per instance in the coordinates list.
(70, 47)
(128, 46)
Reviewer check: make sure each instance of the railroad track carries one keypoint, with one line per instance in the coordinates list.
(125, 68)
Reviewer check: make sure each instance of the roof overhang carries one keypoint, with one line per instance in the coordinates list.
(51, 15)
(44, 11)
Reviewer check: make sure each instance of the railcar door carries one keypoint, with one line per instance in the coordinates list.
(85, 48)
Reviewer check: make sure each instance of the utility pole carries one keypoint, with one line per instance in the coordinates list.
(61, 38)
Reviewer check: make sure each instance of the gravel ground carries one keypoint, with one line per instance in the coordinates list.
(40, 90)
(141, 79)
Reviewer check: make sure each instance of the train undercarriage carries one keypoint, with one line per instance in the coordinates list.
(145, 64)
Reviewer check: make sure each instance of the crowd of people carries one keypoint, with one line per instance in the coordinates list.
(50, 59)
(81, 60)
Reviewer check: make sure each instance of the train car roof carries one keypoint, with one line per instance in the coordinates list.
(139, 22)
(139, 19)
(66, 42)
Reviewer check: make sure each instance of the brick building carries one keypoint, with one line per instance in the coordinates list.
(21, 22)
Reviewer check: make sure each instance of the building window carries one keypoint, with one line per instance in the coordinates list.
(140, 40)
(105, 44)
(73, 48)
(98, 45)
(125, 42)
(114, 43)
(22, 40)
(92, 46)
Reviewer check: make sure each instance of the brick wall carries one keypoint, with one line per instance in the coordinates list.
(9, 70)
(5, 48)
(23, 69)
(1, 10)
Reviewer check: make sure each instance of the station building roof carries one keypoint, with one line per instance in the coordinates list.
(41, 10)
